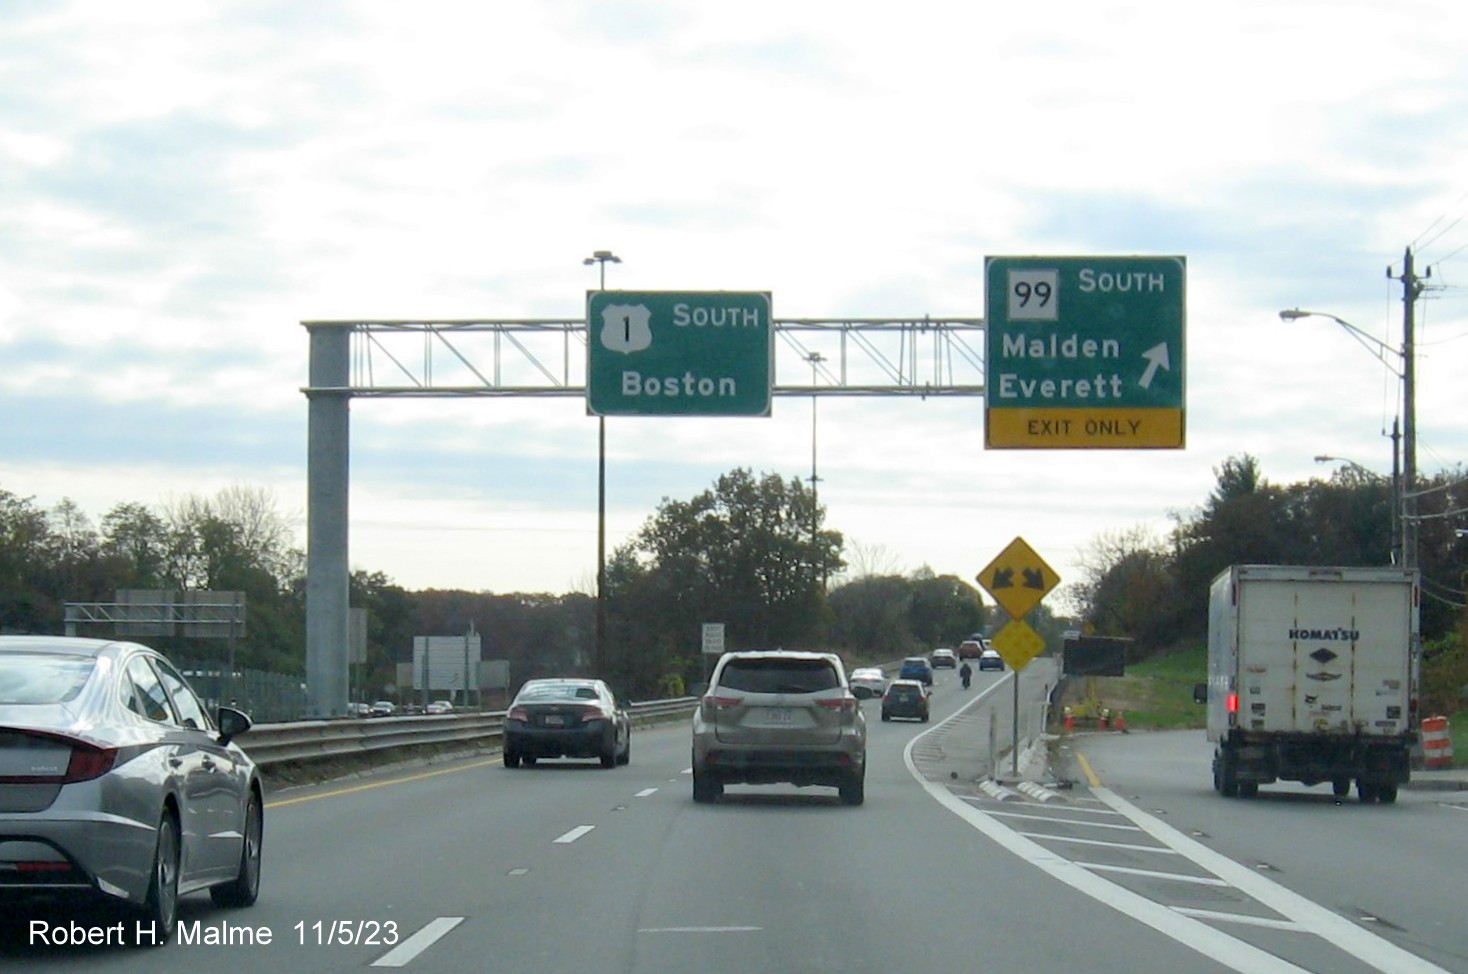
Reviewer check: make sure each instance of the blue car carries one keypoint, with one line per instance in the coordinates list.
(916, 668)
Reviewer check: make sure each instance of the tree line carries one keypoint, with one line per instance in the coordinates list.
(753, 552)
(1155, 589)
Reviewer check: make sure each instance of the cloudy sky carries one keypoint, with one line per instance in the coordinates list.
(183, 184)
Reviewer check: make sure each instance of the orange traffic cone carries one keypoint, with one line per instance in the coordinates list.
(1070, 720)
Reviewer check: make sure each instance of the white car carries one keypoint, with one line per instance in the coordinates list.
(867, 681)
(439, 707)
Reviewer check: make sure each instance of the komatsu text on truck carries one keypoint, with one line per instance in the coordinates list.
(1312, 677)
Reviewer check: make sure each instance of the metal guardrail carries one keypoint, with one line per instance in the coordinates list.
(315, 740)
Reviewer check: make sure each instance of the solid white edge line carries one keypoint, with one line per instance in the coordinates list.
(1366, 946)
(426, 937)
(1219, 947)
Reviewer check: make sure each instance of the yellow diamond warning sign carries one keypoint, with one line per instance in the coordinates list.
(1017, 644)
(1018, 579)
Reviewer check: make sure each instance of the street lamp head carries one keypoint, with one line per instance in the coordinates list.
(1293, 314)
(1322, 458)
(601, 257)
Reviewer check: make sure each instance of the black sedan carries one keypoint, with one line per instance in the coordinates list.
(906, 698)
(566, 718)
(116, 784)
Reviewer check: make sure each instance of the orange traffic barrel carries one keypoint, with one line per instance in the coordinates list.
(1437, 746)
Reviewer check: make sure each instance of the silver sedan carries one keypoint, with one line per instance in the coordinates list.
(115, 783)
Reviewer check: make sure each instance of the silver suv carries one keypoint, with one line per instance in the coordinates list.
(775, 716)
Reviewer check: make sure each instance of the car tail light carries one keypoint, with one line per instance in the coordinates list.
(847, 705)
(712, 704)
(89, 762)
(520, 714)
(588, 714)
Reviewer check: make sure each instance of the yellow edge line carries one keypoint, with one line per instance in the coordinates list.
(279, 803)
(1086, 767)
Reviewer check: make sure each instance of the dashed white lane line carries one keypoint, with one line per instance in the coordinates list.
(574, 834)
(430, 934)
(645, 792)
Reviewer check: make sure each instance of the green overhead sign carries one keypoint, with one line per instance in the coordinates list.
(679, 353)
(1085, 352)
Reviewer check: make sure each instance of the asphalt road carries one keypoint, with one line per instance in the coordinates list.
(469, 866)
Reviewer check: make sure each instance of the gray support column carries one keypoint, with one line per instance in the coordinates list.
(327, 577)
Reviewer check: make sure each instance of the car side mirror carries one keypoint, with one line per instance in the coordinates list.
(1200, 693)
(232, 723)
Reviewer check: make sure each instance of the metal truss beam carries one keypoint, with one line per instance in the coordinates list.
(547, 357)
(383, 359)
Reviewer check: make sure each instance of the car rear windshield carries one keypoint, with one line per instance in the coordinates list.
(558, 691)
(35, 679)
(779, 675)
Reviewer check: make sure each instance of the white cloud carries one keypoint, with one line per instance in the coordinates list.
(192, 182)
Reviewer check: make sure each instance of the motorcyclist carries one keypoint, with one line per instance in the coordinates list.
(965, 673)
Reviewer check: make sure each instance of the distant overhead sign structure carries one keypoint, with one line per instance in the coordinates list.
(679, 353)
(1085, 352)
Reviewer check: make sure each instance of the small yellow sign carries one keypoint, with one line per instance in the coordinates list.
(1017, 644)
(1018, 579)
(1070, 428)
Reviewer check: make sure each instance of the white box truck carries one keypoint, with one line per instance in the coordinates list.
(1312, 677)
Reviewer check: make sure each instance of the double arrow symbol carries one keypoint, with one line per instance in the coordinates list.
(1032, 578)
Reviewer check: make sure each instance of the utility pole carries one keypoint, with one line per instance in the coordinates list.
(1412, 288)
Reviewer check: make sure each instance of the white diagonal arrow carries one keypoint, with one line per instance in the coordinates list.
(1156, 357)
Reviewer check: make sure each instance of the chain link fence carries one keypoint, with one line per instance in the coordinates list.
(266, 697)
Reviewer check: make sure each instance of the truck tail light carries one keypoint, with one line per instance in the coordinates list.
(1233, 703)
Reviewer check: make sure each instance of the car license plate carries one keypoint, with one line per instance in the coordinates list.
(554, 720)
(780, 715)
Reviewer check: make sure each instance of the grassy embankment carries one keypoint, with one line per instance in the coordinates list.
(1158, 695)
(1155, 695)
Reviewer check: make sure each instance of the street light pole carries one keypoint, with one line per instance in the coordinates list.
(1399, 362)
(600, 258)
(815, 359)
